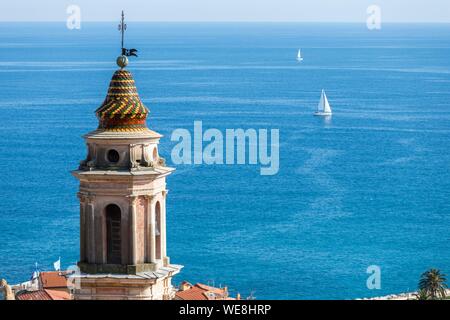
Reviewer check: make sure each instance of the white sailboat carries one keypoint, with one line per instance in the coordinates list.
(323, 108)
(299, 55)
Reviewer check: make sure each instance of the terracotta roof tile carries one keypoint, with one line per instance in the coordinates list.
(53, 279)
(33, 295)
(43, 295)
(209, 288)
(203, 292)
(58, 295)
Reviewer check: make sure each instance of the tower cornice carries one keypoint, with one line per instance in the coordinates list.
(123, 135)
(136, 175)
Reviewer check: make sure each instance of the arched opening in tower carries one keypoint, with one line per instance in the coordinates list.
(113, 234)
(158, 230)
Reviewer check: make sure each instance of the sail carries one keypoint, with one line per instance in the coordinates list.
(320, 105)
(299, 55)
(326, 105)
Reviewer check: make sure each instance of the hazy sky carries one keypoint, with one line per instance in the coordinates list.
(227, 10)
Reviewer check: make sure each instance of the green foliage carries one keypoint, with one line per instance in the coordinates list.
(422, 295)
(432, 285)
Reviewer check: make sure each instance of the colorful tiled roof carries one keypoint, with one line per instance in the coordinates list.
(122, 109)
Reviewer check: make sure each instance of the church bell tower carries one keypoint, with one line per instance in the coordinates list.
(123, 248)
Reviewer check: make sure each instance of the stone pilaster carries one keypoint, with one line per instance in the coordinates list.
(83, 230)
(90, 254)
(163, 227)
(133, 251)
(151, 229)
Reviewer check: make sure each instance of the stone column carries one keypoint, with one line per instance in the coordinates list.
(83, 233)
(133, 249)
(91, 230)
(150, 237)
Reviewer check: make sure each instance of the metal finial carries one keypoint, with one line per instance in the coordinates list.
(122, 27)
(122, 60)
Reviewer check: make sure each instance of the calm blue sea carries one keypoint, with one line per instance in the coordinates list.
(369, 187)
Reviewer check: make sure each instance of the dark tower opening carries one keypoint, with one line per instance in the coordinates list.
(158, 230)
(113, 156)
(113, 234)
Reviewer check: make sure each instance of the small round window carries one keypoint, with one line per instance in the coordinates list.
(113, 156)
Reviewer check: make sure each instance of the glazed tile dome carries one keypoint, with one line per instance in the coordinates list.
(122, 109)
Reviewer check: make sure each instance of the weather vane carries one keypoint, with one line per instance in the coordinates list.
(125, 52)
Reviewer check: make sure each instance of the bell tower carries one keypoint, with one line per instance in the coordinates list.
(123, 247)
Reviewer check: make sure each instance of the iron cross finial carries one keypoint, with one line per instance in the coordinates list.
(122, 27)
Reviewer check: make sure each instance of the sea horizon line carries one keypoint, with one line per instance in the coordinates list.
(238, 21)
